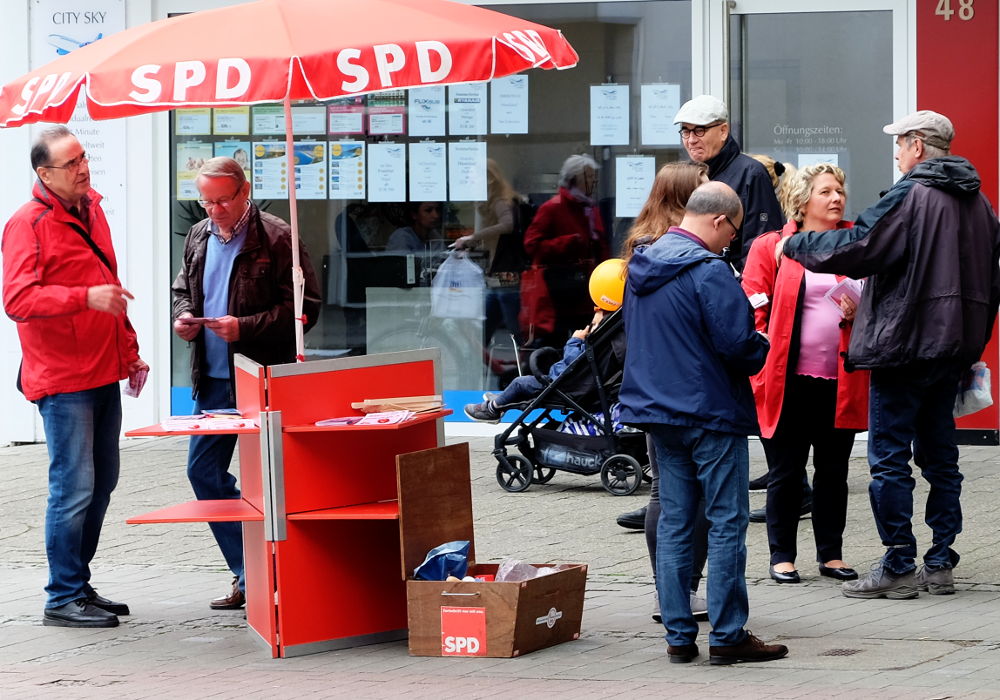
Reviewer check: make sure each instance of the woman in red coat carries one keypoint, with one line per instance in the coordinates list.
(565, 241)
(804, 396)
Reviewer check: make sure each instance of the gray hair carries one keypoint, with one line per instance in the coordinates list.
(929, 150)
(40, 154)
(714, 198)
(574, 167)
(223, 166)
(800, 188)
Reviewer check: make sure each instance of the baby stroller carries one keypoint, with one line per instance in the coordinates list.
(585, 394)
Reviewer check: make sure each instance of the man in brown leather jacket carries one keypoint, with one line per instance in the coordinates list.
(233, 294)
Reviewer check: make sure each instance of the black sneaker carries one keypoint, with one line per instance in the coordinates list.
(759, 484)
(634, 519)
(78, 613)
(486, 412)
(759, 515)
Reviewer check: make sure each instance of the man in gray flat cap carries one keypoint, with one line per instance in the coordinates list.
(704, 129)
(930, 250)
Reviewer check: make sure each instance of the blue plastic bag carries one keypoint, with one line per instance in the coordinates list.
(448, 559)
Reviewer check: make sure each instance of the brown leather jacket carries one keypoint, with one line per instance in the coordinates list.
(260, 292)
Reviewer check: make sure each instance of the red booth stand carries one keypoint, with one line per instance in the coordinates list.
(319, 504)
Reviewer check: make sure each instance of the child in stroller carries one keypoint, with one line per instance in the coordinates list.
(567, 419)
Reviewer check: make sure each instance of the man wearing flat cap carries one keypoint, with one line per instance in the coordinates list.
(930, 250)
(704, 129)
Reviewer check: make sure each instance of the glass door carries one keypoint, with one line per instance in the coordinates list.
(809, 83)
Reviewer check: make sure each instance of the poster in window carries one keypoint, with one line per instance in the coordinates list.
(428, 172)
(658, 104)
(193, 122)
(387, 172)
(347, 170)
(467, 109)
(347, 117)
(308, 119)
(191, 155)
(609, 114)
(268, 120)
(633, 181)
(427, 111)
(509, 105)
(467, 171)
(270, 170)
(310, 168)
(237, 150)
(384, 120)
(231, 121)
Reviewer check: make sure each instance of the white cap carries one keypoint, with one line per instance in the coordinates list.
(702, 110)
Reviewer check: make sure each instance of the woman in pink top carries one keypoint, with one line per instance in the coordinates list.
(804, 396)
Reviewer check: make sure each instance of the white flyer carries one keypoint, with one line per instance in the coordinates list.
(270, 170)
(268, 120)
(467, 109)
(347, 170)
(307, 119)
(237, 150)
(427, 111)
(387, 172)
(467, 171)
(658, 105)
(633, 181)
(509, 105)
(310, 168)
(428, 172)
(609, 114)
(191, 155)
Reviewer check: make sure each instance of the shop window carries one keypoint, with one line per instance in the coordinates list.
(390, 181)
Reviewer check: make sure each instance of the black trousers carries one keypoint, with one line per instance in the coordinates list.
(807, 417)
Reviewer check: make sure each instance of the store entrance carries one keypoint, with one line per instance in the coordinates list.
(814, 85)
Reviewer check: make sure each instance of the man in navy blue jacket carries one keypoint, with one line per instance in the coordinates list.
(691, 350)
(704, 129)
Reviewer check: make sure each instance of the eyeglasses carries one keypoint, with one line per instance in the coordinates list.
(71, 165)
(221, 202)
(698, 131)
(736, 229)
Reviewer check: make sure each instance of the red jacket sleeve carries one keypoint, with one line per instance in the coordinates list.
(759, 275)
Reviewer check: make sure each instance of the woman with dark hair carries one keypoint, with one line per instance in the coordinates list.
(664, 208)
(805, 397)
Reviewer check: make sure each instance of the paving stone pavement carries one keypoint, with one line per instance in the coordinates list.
(173, 646)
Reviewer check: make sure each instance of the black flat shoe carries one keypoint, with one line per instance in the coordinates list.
(841, 574)
(785, 576)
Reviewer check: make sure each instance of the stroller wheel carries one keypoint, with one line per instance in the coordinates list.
(513, 473)
(621, 475)
(543, 474)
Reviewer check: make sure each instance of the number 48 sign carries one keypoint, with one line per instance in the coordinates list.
(966, 10)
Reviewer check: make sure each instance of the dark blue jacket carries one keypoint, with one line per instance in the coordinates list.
(761, 211)
(929, 249)
(691, 341)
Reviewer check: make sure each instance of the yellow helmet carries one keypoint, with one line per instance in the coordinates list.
(607, 284)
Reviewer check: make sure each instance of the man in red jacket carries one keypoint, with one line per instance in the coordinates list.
(61, 287)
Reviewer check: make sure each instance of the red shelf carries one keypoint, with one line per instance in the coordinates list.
(383, 510)
(226, 511)
(416, 420)
(157, 431)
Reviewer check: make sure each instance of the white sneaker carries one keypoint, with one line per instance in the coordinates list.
(699, 607)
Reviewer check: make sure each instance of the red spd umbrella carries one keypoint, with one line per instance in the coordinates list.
(280, 51)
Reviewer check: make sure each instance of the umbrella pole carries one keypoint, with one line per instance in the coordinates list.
(298, 280)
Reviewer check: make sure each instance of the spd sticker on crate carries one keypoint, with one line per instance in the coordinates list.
(463, 631)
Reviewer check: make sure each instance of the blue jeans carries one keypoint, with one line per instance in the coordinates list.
(694, 462)
(81, 432)
(913, 405)
(209, 457)
(519, 390)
